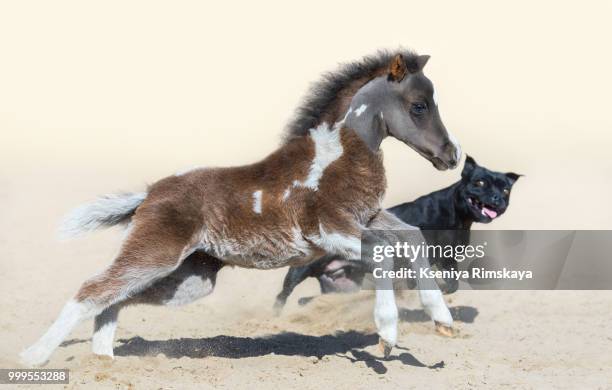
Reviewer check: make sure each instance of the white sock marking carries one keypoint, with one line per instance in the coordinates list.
(434, 305)
(102, 340)
(72, 313)
(385, 315)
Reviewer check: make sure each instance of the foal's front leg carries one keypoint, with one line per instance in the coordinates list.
(429, 292)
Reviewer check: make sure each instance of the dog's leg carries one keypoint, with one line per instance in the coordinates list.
(295, 276)
(137, 266)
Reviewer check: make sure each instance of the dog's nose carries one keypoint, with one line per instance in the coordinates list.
(495, 199)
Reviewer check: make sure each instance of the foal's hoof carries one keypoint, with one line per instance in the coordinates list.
(385, 348)
(444, 330)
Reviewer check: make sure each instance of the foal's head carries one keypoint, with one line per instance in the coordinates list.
(402, 103)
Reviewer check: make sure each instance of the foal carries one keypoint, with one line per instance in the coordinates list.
(314, 195)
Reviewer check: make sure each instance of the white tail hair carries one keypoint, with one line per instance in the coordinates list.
(107, 210)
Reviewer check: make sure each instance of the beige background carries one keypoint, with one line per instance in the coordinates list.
(153, 87)
(98, 97)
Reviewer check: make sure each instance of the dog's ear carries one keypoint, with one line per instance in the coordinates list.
(470, 160)
(513, 176)
(468, 166)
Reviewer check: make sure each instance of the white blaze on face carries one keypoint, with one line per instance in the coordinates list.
(257, 202)
(452, 139)
(435, 96)
(328, 149)
(361, 109)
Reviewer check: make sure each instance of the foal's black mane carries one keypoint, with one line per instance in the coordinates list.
(324, 93)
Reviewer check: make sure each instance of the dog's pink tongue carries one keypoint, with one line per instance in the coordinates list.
(489, 213)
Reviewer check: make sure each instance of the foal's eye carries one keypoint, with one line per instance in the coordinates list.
(480, 183)
(418, 108)
(506, 191)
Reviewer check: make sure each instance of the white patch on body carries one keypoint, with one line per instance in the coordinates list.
(361, 109)
(72, 313)
(328, 149)
(257, 201)
(286, 193)
(191, 289)
(341, 244)
(434, 305)
(299, 243)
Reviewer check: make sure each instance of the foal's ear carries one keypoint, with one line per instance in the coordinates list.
(420, 63)
(397, 68)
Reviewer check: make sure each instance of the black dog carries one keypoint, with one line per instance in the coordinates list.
(445, 216)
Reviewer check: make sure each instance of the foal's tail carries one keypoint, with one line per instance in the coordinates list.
(107, 210)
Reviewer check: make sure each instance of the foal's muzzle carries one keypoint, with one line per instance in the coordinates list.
(449, 156)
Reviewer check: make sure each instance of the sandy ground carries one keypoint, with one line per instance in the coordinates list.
(231, 339)
(98, 97)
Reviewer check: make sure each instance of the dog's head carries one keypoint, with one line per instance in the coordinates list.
(484, 194)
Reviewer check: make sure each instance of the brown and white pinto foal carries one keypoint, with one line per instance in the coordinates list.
(314, 195)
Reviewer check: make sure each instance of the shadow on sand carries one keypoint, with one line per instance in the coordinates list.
(286, 343)
(347, 345)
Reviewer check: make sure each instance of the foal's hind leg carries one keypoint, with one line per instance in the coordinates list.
(193, 279)
(105, 325)
(150, 252)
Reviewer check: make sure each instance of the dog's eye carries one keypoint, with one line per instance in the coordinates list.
(480, 183)
(506, 191)
(418, 108)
